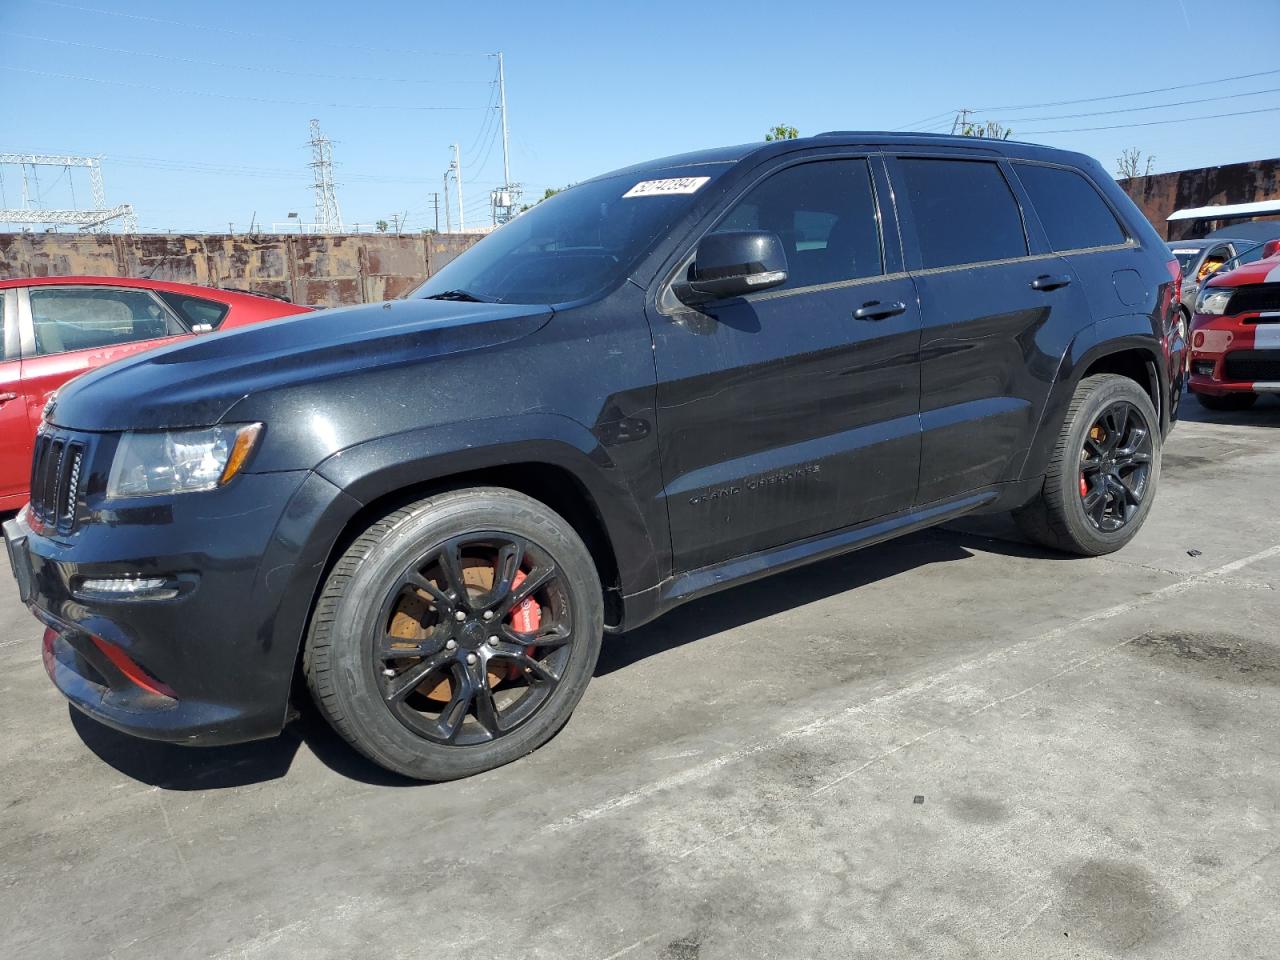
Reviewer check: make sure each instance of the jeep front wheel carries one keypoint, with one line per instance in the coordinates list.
(456, 634)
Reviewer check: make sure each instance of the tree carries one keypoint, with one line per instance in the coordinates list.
(381, 226)
(1130, 164)
(991, 130)
(781, 132)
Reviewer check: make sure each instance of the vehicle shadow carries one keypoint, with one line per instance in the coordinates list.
(796, 588)
(1264, 413)
(178, 768)
(170, 766)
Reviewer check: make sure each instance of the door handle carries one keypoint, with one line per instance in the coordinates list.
(6, 397)
(875, 310)
(1047, 282)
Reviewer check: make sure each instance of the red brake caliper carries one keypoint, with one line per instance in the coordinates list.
(525, 618)
(1084, 486)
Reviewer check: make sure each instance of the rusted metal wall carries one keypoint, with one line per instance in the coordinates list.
(1162, 193)
(325, 271)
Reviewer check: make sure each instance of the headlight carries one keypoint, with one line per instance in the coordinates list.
(1213, 300)
(180, 461)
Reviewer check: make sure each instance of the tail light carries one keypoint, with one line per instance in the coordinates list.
(1175, 273)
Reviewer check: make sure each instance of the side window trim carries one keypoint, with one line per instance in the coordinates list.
(665, 300)
(9, 326)
(910, 238)
(28, 327)
(1130, 239)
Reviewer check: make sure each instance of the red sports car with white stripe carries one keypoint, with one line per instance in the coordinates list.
(1235, 335)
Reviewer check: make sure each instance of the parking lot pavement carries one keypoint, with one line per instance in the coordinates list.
(952, 745)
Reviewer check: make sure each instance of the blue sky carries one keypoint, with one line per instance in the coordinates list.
(204, 121)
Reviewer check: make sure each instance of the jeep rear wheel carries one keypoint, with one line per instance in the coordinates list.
(1103, 474)
(456, 634)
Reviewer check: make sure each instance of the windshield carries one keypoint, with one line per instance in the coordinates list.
(1186, 256)
(1246, 256)
(575, 244)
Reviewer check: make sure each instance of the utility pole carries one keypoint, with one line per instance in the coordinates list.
(448, 219)
(502, 201)
(435, 203)
(457, 182)
(502, 113)
(961, 121)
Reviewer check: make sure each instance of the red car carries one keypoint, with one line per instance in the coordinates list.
(56, 328)
(1235, 334)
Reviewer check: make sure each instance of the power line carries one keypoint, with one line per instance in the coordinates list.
(925, 120)
(232, 66)
(274, 38)
(229, 96)
(1156, 123)
(1157, 106)
(474, 149)
(1121, 96)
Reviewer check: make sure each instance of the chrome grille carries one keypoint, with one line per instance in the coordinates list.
(55, 480)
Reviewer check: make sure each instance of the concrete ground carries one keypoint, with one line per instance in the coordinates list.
(950, 746)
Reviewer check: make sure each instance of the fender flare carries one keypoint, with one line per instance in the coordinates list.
(1094, 342)
(382, 466)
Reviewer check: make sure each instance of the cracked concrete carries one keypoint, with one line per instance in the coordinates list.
(954, 745)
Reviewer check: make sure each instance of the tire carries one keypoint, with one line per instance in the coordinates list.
(1057, 517)
(1227, 401)
(353, 688)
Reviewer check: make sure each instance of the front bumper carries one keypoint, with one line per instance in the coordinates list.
(213, 663)
(1230, 354)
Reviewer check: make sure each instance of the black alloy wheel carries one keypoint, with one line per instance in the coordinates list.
(1101, 479)
(456, 633)
(1115, 464)
(473, 638)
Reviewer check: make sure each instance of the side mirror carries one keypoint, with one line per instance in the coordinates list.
(1270, 248)
(731, 264)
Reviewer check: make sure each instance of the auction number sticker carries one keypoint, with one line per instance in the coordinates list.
(660, 188)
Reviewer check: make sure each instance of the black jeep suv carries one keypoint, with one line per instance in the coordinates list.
(659, 383)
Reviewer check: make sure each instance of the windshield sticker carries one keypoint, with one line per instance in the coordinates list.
(660, 188)
(1186, 251)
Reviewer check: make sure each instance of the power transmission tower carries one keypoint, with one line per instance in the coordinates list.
(961, 121)
(503, 200)
(94, 219)
(328, 216)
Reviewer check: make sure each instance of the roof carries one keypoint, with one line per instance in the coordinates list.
(191, 289)
(1259, 231)
(1203, 243)
(1223, 211)
(726, 156)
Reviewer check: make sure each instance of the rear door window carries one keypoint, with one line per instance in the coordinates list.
(86, 318)
(825, 214)
(1074, 215)
(964, 211)
(197, 312)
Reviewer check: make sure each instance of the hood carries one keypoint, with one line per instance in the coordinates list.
(1260, 271)
(196, 382)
